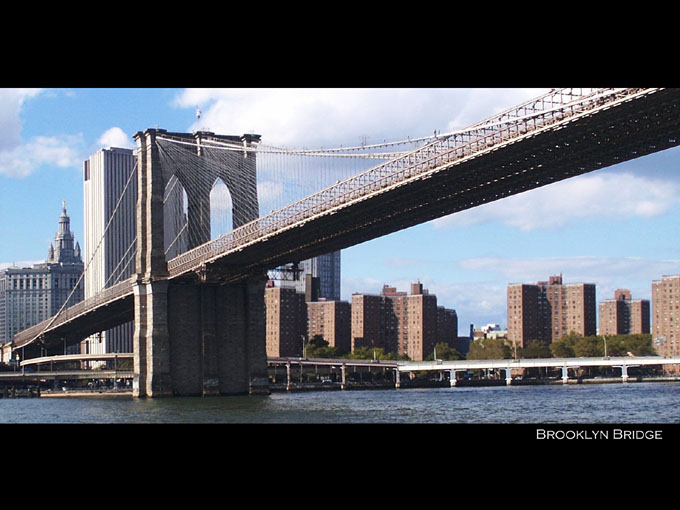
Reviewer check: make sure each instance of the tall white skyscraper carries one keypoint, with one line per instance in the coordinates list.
(109, 241)
(110, 225)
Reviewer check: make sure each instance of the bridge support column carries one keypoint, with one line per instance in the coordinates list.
(151, 341)
(452, 377)
(397, 381)
(151, 338)
(565, 375)
(508, 376)
(195, 336)
(624, 373)
(343, 384)
(217, 339)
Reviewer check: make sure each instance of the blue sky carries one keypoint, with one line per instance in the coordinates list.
(617, 228)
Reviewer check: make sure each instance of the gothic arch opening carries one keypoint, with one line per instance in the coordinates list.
(175, 218)
(221, 209)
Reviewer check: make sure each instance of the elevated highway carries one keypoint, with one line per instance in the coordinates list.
(565, 364)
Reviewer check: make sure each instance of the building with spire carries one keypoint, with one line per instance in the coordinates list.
(31, 295)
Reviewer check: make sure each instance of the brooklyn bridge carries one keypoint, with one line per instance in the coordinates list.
(199, 314)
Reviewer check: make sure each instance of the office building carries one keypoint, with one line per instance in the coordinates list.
(29, 296)
(623, 315)
(549, 310)
(324, 267)
(109, 187)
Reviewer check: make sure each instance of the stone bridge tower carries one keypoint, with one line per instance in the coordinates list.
(195, 336)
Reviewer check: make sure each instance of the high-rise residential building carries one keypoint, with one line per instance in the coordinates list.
(523, 323)
(31, 295)
(370, 327)
(666, 315)
(447, 326)
(401, 323)
(286, 321)
(623, 315)
(332, 321)
(547, 311)
(417, 318)
(324, 267)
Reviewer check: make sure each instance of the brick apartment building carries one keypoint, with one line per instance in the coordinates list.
(403, 324)
(549, 310)
(666, 315)
(286, 321)
(623, 315)
(400, 323)
(293, 318)
(331, 320)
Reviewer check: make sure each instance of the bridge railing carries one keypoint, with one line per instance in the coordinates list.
(530, 117)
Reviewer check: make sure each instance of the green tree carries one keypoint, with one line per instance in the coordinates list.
(488, 348)
(564, 347)
(535, 349)
(369, 352)
(637, 345)
(319, 348)
(445, 352)
(589, 347)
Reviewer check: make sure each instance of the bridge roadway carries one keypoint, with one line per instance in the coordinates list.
(437, 180)
(622, 362)
(35, 375)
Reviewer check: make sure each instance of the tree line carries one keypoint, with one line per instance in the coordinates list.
(569, 346)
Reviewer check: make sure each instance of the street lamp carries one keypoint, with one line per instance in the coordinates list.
(605, 346)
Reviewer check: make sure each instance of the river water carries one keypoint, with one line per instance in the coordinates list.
(618, 403)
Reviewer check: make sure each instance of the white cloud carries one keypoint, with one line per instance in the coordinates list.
(24, 159)
(18, 158)
(11, 101)
(608, 273)
(116, 137)
(604, 196)
(325, 116)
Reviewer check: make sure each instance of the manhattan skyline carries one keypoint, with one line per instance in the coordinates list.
(614, 227)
